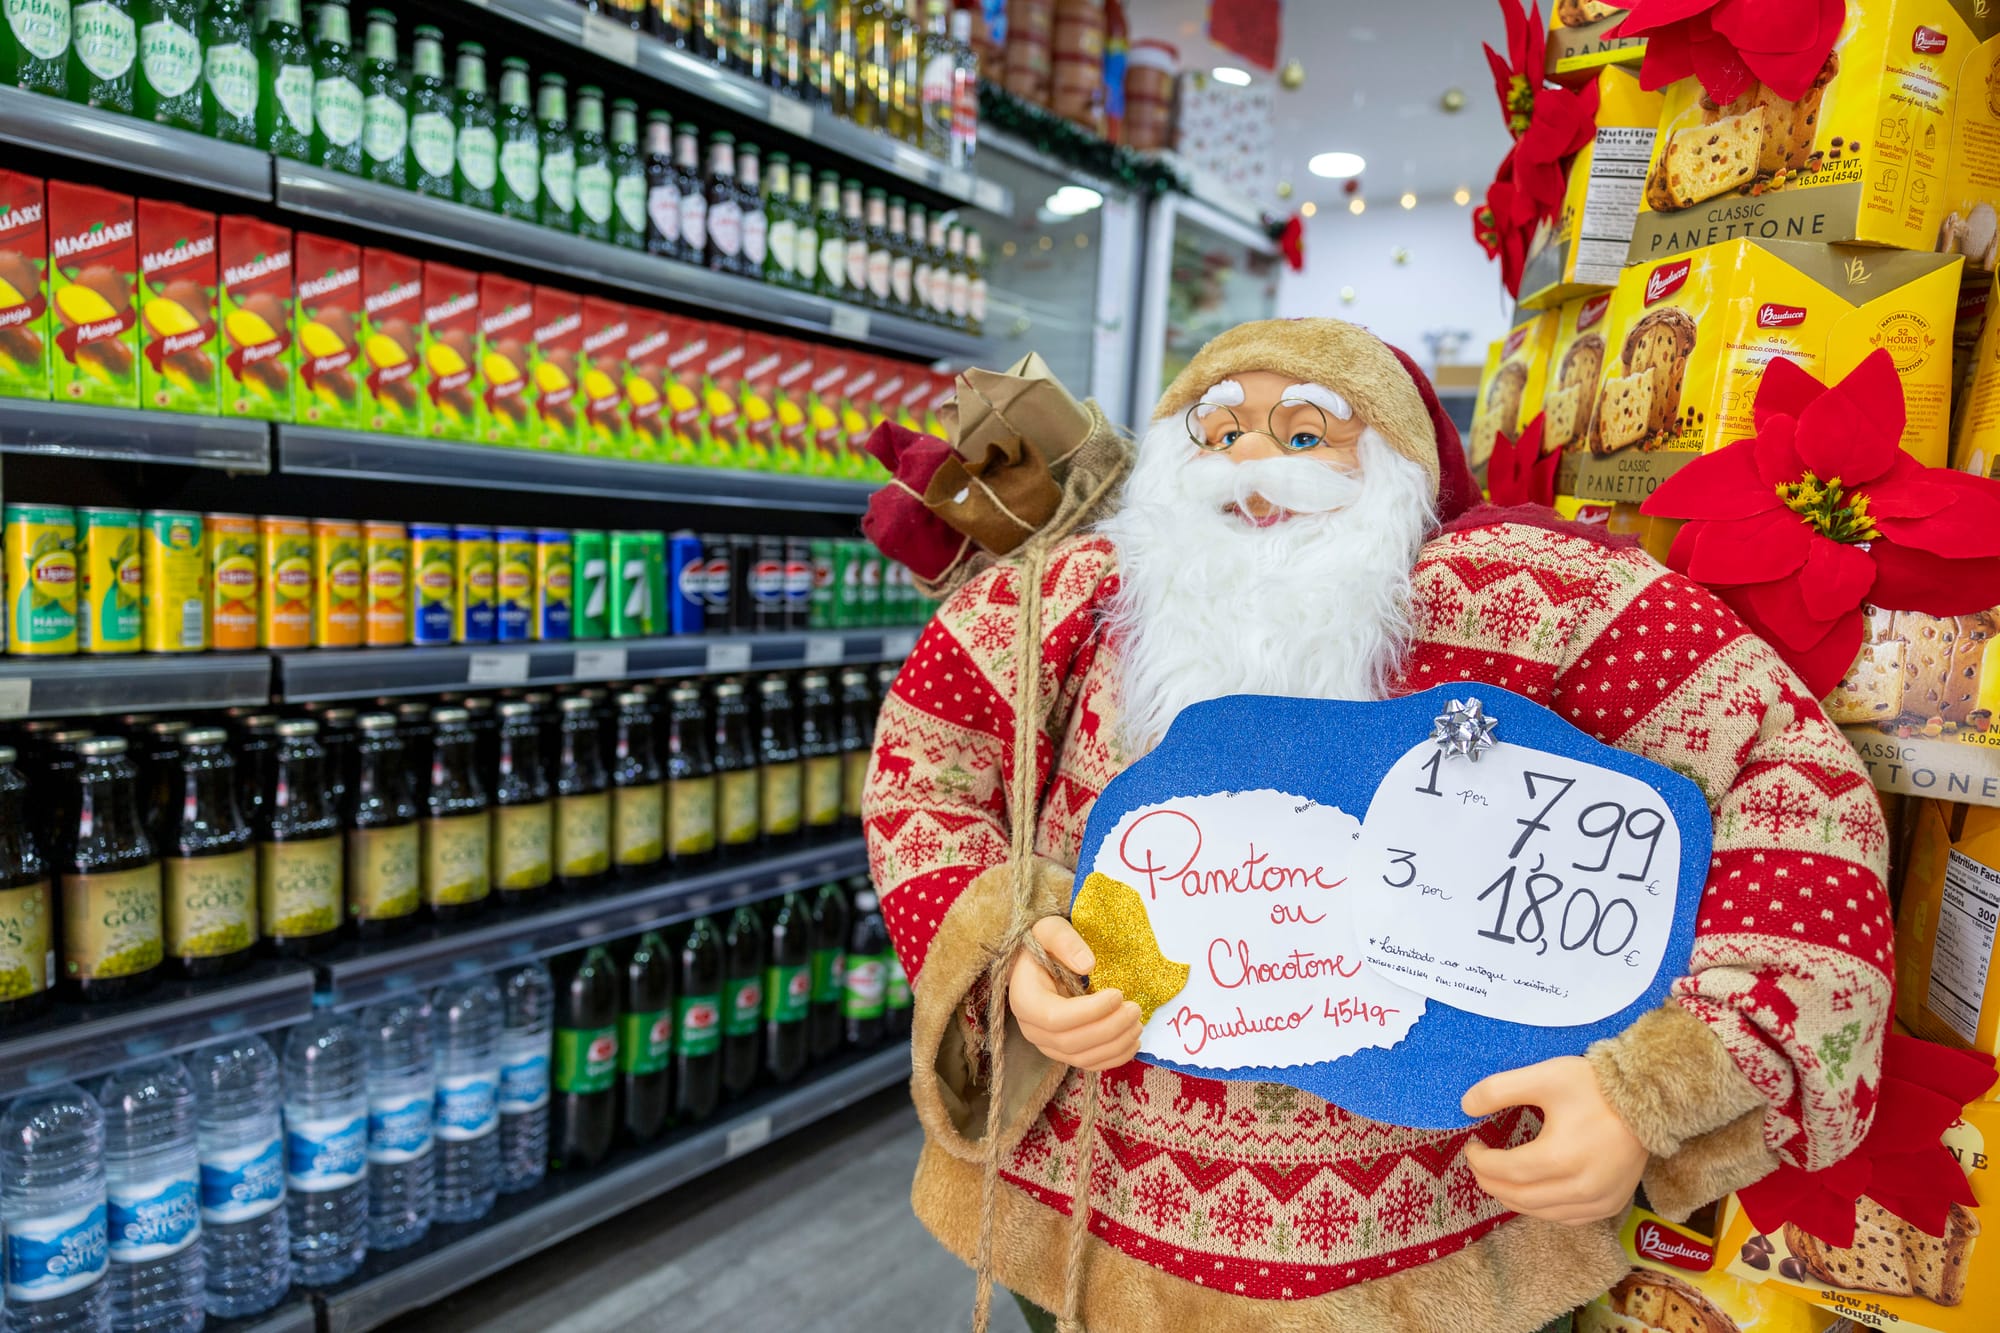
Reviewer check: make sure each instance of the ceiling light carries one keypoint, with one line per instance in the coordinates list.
(1308, 209)
(1229, 74)
(1073, 200)
(1461, 196)
(1357, 205)
(1408, 200)
(1337, 166)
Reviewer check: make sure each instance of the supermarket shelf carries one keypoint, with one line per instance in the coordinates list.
(75, 430)
(826, 133)
(133, 682)
(297, 1315)
(452, 1258)
(80, 1041)
(357, 973)
(109, 139)
(335, 197)
(320, 675)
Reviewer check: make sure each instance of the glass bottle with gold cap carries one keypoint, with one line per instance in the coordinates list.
(337, 100)
(385, 111)
(780, 770)
(583, 806)
(110, 878)
(300, 855)
(27, 909)
(523, 812)
(690, 772)
(857, 740)
(208, 861)
(638, 796)
(384, 882)
(457, 857)
(819, 751)
(433, 116)
(738, 810)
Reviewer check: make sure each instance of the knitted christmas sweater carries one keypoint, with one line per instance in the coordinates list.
(1259, 1207)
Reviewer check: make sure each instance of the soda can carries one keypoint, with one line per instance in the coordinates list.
(434, 557)
(687, 579)
(767, 586)
(285, 561)
(895, 597)
(555, 584)
(871, 586)
(232, 581)
(655, 546)
(474, 623)
(631, 586)
(339, 579)
(385, 559)
(176, 581)
(112, 580)
(591, 610)
(820, 607)
(513, 585)
(798, 583)
(847, 559)
(41, 579)
(718, 583)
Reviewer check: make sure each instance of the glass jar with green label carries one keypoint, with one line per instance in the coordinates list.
(384, 851)
(781, 772)
(284, 82)
(433, 121)
(208, 861)
(36, 44)
(27, 910)
(477, 165)
(168, 89)
(337, 98)
(300, 854)
(646, 1020)
(583, 805)
(110, 878)
(517, 193)
(457, 874)
(229, 74)
(638, 788)
(819, 750)
(523, 811)
(103, 51)
(690, 771)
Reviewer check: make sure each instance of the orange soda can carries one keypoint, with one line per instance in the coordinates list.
(232, 581)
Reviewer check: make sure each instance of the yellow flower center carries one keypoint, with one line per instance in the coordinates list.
(1829, 509)
(1520, 104)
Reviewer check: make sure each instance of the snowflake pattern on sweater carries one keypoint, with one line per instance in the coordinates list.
(1264, 1190)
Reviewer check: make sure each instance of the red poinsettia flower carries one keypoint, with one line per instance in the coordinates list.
(1822, 510)
(1519, 473)
(1549, 124)
(1292, 243)
(1503, 231)
(1731, 44)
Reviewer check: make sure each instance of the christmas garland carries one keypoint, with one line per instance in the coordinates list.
(1073, 145)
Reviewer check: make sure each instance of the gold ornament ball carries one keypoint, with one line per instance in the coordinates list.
(1293, 76)
(1284, 189)
(1453, 100)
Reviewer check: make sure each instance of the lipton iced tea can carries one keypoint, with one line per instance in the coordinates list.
(41, 579)
(339, 578)
(385, 566)
(113, 581)
(176, 582)
(476, 578)
(513, 585)
(232, 581)
(285, 558)
(434, 595)
(592, 606)
(555, 583)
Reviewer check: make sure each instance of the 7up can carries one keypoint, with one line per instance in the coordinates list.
(107, 557)
(592, 584)
(631, 586)
(41, 579)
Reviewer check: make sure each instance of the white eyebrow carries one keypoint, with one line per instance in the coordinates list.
(1223, 393)
(1325, 399)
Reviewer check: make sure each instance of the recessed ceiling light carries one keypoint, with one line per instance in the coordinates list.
(1231, 75)
(1073, 200)
(1461, 196)
(1337, 166)
(1357, 205)
(1408, 200)
(1308, 209)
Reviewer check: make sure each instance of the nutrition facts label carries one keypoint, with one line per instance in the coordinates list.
(1611, 205)
(1967, 916)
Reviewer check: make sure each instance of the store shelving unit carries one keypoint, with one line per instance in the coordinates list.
(131, 683)
(116, 434)
(51, 125)
(454, 1257)
(295, 1314)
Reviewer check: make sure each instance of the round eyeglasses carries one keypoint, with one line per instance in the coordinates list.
(1216, 428)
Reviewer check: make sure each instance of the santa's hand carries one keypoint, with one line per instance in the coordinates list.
(1582, 1167)
(1095, 1031)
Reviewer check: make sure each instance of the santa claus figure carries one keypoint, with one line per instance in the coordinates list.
(1298, 521)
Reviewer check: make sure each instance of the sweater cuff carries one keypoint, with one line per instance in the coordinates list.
(948, 1079)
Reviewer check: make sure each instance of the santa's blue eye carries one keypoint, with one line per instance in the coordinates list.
(1303, 440)
(1230, 437)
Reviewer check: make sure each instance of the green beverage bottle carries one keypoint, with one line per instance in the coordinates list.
(558, 207)
(385, 116)
(805, 241)
(337, 104)
(478, 163)
(663, 195)
(693, 190)
(742, 1000)
(284, 81)
(169, 85)
(103, 48)
(750, 207)
(518, 191)
(628, 177)
(781, 229)
(832, 240)
(880, 258)
(36, 49)
(228, 72)
(854, 242)
(902, 260)
(593, 167)
(433, 132)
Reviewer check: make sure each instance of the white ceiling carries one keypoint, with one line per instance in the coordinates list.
(1375, 74)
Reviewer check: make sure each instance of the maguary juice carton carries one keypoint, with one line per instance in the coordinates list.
(256, 318)
(601, 373)
(827, 436)
(793, 409)
(1584, 249)
(330, 385)
(1677, 1284)
(858, 414)
(24, 303)
(177, 311)
(1581, 42)
(555, 345)
(763, 358)
(506, 320)
(721, 400)
(93, 285)
(687, 352)
(392, 307)
(455, 386)
(1511, 386)
(646, 349)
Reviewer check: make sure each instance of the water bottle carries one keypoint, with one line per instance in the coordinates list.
(466, 1028)
(326, 1147)
(52, 1197)
(528, 1003)
(244, 1241)
(152, 1180)
(401, 1088)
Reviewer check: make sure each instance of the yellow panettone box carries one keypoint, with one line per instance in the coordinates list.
(1865, 155)
(1975, 441)
(1919, 706)
(1510, 388)
(1947, 975)
(1676, 1286)
(1575, 365)
(1580, 43)
(1687, 340)
(1584, 249)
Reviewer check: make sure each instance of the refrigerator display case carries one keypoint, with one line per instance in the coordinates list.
(1205, 271)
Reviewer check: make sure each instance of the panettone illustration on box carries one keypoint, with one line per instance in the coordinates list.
(1751, 144)
(1922, 674)
(1648, 1301)
(1638, 406)
(1578, 13)
(1889, 1257)
(1570, 403)
(1503, 403)
(1511, 386)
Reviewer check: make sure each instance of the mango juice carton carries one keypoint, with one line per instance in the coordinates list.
(687, 352)
(506, 319)
(721, 407)
(1676, 1281)
(177, 314)
(1511, 386)
(330, 388)
(1863, 156)
(895, 377)
(793, 406)
(943, 395)
(826, 436)
(24, 303)
(646, 350)
(555, 345)
(255, 305)
(1581, 40)
(1584, 250)
(392, 342)
(763, 358)
(453, 383)
(601, 373)
(1687, 340)
(857, 413)
(93, 285)
(915, 398)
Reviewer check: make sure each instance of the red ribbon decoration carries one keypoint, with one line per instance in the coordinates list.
(897, 521)
(1519, 473)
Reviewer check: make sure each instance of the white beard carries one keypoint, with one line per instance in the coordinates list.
(1314, 607)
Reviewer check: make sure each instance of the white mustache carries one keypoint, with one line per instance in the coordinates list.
(1300, 485)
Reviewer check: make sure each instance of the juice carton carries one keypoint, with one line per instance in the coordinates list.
(1674, 1268)
(177, 317)
(1510, 388)
(506, 318)
(24, 304)
(392, 304)
(793, 407)
(256, 318)
(1585, 249)
(455, 387)
(721, 383)
(687, 352)
(329, 389)
(645, 384)
(555, 340)
(826, 438)
(763, 358)
(889, 388)
(1580, 41)
(93, 284)
(915, 398)
(944, 394)
(858, 413)
(607, 327)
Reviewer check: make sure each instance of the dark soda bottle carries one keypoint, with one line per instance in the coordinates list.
(829, 964)
(583, 806)
(857, 741)
(110, 879)
(458, 860)
(690, 779)
(866, 1002)
(638, 794)
(780, 770)
(646, 1018)
(413, 724)
(698, 1023)
(27, 909)
(208, 862)
(742, 1000)
(300, 854)
(256, 747)
(523, 809)
(583, 1105)
(337, 737)
(738, 814)
(819, 751)
(157, 753)
(788, 989)
(384, 850)
(52, 795)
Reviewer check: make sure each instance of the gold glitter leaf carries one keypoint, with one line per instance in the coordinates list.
(1111, 917)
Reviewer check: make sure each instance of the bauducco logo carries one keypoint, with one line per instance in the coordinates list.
(1592, 311)
(1666, 280)
(1655, 1242)
(1514, 341)
(1927, 41)
(1773, 316)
